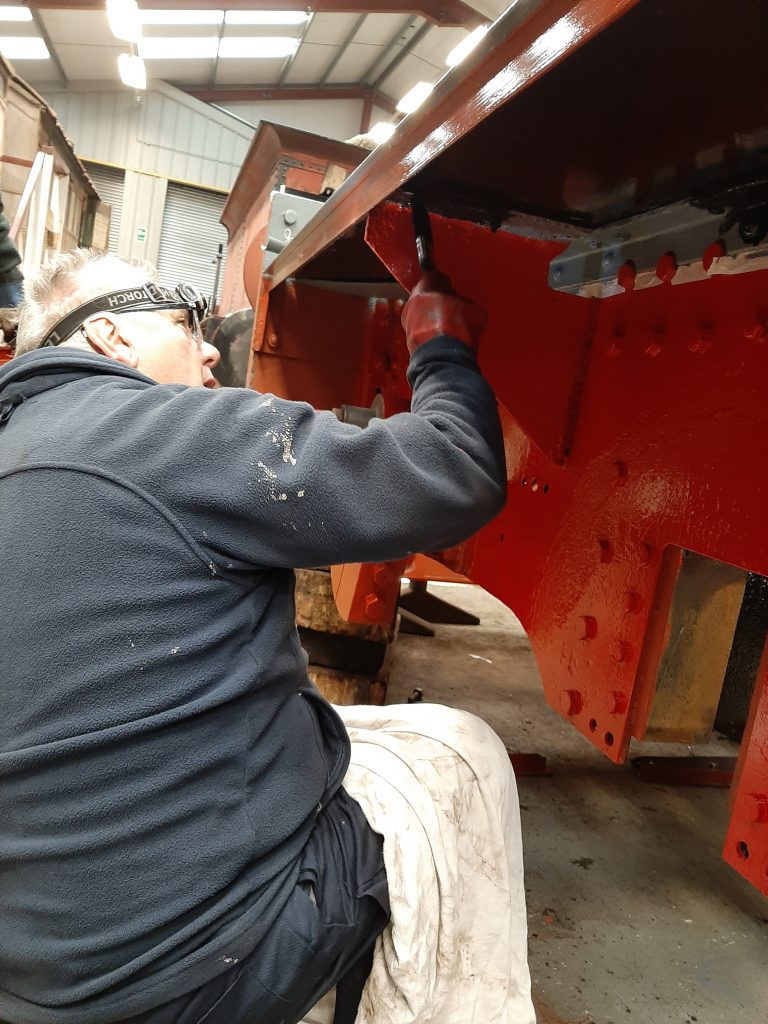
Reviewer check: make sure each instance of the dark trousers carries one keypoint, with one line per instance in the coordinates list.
(324, 936)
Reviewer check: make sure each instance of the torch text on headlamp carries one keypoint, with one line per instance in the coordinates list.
(147, 298)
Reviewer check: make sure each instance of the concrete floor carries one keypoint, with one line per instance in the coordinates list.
(632, 914)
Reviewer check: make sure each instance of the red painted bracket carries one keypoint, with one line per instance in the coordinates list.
(746, 845)
(367, 592)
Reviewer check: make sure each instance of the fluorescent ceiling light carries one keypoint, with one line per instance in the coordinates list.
(124, 19)
(132, 71)
(414, 97)
(258, 47)
(381, 131)
(23, 48)
(191, 48)
(466, 46)
(265, 17)
(182, 17)
(15, 14)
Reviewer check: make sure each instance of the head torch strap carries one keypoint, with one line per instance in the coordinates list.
(146, 298)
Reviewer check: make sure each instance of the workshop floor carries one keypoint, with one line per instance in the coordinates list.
(632, 914)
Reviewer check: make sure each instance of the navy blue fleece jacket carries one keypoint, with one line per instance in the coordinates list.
(162, 752)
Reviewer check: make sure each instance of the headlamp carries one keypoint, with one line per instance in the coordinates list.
(145, 298)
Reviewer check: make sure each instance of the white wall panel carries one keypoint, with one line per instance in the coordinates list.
(410, 71)
(168, 133)
(310, 63)
(141, 218)
(330, 29)
(336, 119)
(355, 62)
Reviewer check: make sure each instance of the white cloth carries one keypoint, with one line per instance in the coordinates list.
(438, 785)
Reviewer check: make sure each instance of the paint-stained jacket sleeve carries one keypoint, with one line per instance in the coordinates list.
(275, 483)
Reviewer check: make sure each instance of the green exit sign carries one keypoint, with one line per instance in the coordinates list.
(141, 234)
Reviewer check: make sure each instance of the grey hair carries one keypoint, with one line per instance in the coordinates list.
(67, 281)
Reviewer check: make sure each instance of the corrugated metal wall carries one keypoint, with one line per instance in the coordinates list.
(110, 183)
(167, 133)
(190, 238)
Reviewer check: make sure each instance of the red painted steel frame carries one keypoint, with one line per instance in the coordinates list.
(530, 39)
(634, 425)
(633, 429)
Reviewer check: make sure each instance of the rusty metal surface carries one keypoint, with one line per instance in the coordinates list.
(685, 771)
(271, 143)
(528, 764)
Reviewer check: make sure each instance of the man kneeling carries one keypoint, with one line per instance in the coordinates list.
(188, 831)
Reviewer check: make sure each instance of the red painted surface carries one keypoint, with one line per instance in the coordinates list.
(366, 592)
(631, 427)
(746, 845)
(634, 425)
(527, 42)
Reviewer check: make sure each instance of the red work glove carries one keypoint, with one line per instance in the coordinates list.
(434, 308)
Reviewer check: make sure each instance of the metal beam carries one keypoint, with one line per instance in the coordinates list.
(458, 105)
(365, 117)
(288, 62)
(342, 49)
(215, 69)
(445, 13)
(388, 47)
(51, 49)
(235, 94)
(401, 55)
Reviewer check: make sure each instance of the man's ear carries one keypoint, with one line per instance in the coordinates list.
(105, 336)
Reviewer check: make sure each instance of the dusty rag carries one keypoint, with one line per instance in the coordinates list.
(438, 785)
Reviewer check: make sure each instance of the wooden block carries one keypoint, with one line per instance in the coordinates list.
(316, 608)
(702, 622)
(339, 688)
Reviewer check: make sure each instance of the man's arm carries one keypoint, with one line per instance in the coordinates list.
(263, 481)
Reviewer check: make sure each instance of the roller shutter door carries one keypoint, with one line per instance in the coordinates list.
(110, 184)
(190, 237)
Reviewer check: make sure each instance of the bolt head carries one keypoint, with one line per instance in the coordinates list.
(627, 276)
(606, 550)
(647, 553)
(666, 268)
(622, 652)
(756, 331)
(383, 575)
(759, 808)
(374, 607)
(619, 702)
(712, 253)
(571, 702)
(589, 630)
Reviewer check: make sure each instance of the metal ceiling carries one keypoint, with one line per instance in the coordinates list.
(346, 48)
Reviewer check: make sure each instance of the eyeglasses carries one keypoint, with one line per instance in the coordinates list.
(147, 298)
